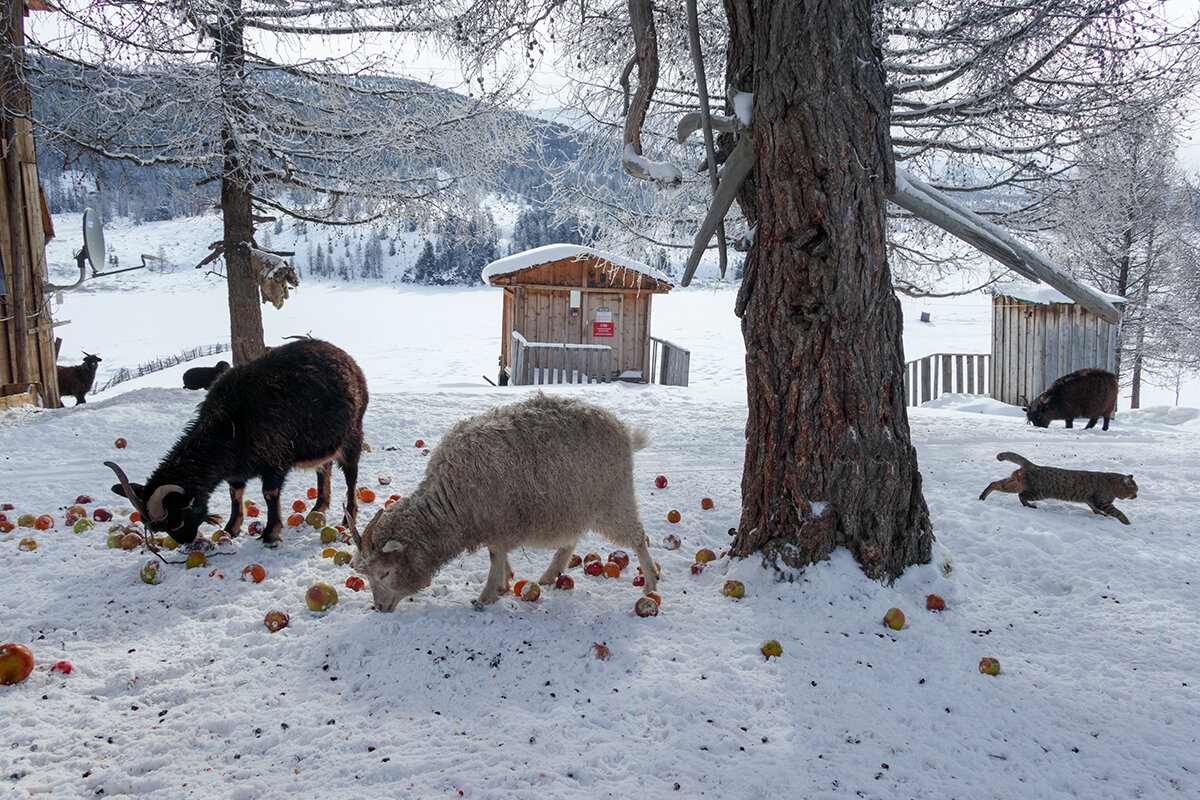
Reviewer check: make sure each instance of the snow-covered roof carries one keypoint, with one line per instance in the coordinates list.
(561, 252)
(1042, 294)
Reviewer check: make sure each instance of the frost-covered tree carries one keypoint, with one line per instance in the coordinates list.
(288, 109)
(1127, 224)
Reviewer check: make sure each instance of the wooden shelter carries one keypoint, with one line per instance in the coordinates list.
(1039, 334)
(574, 314)
(27, 349)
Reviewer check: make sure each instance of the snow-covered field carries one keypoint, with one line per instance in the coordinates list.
(178, 690)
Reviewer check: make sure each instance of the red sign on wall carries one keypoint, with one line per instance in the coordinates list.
(603, 324)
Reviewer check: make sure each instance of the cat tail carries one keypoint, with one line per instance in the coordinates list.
(1016, 459)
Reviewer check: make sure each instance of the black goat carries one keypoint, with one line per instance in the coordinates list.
(203, 377)
(299, 405)
(77, 381)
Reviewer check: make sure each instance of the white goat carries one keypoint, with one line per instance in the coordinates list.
(539, 473)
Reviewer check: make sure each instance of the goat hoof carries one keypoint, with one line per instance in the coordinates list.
(271, 543)
(478, 605)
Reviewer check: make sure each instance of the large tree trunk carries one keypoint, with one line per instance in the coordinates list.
(829, 461)
(245, 313)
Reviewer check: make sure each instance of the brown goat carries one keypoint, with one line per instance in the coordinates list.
(77, 381)
(299, 405)
(1087, 393)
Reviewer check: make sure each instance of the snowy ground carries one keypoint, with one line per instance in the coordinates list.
(178, 690)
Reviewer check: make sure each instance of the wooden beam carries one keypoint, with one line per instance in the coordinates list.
(931, 205)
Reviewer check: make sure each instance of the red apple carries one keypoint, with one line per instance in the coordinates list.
(639, 580)
(299, 506)
(254, 573)
(590, 557)
(320, 597)
(44, 523)
(419, 443)
(518, 586)
(989, 666)
(62, 666)
(698, 567)
(611, 570)
(28, 545)
(16, 662)
(7, 507)
(276, 620)
(196, 559)
(706, 503)
(356, 583)
(594, 568)
(120, 443)
(385, 480)
(601, 651)
(102, 515)
(575, 561)
(255, 528)
(74, 514)
(531, 591)
(6, 526)
(704, 555)
(660, 482)
(83, 500)
(251, 511)
(564, 582)
(894, 619)
(620, 558)
(674, 516)
(645, 607)
(934, 602)
(733, 589)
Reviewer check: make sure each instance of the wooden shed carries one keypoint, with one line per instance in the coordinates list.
(27, 348)
(1039, 334)
(574, 314)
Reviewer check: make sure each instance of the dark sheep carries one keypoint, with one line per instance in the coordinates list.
(203, 377)
(77, 381)
(299, 405)
(1087, 393)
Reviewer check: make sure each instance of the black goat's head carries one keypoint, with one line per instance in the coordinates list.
(168, 508)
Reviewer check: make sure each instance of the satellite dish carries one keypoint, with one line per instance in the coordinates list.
(93, 240)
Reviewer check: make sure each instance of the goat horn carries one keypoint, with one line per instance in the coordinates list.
(737, 168)
(129, 492)
(353, 528)
(154, 506)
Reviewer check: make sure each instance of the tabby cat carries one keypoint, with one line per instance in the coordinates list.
(1033, 482)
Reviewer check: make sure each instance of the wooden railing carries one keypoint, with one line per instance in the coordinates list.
(536, 363)
(669, 363)
(930, 377)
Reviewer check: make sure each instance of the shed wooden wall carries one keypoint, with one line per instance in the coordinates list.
(1033, 344)
(27, 351)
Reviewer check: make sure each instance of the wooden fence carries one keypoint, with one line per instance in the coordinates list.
(536, 363)
(161, 363)
(669, 363)
(946, 373)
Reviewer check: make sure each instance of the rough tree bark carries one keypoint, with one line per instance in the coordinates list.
(245, 313)
(829, 460)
